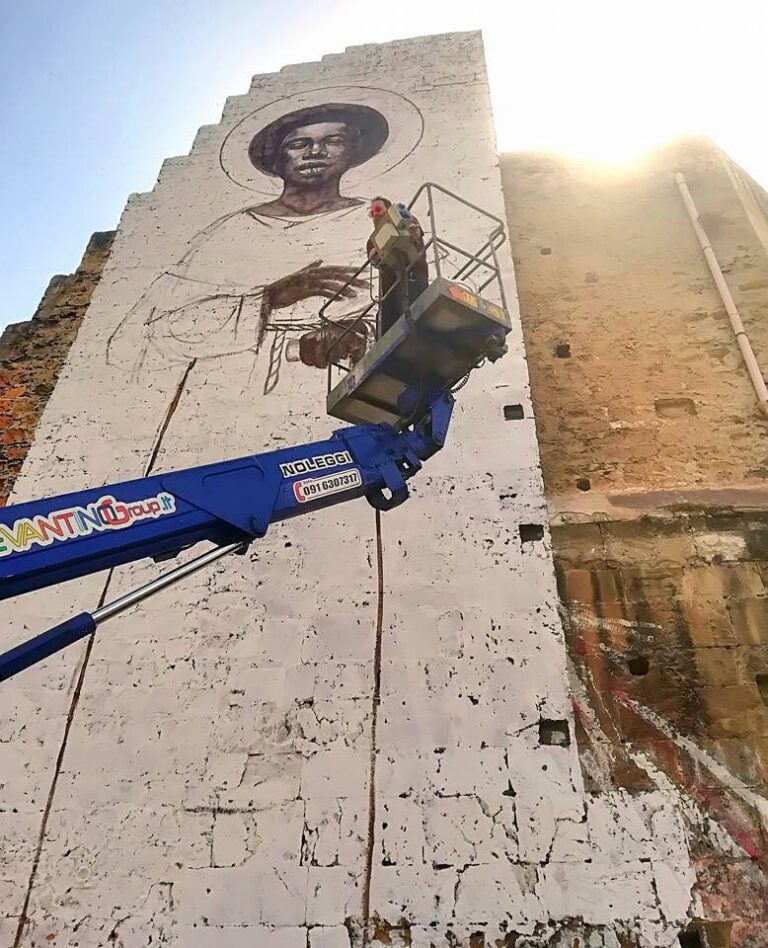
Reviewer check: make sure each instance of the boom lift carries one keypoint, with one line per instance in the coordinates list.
(402, 390)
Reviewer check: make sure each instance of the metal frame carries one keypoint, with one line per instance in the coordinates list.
(486, 256)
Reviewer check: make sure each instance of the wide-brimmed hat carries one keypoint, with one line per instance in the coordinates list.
(372, 128)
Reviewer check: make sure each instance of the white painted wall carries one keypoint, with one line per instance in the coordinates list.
(215, 785)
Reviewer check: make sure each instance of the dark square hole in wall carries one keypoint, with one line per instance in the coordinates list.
(674, 407)
(554, 733)
(691, 939)
(563, 350)
(638, 665)
(513, 412)
(762, 684)
(530, 532)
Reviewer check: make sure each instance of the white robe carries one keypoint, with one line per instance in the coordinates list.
(209, 305)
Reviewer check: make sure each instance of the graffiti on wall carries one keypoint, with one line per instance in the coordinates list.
(254, 279)
(640, 728)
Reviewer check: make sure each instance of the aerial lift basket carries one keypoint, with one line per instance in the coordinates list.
(447, 331)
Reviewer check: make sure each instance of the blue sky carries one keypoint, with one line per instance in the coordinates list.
(96, 93)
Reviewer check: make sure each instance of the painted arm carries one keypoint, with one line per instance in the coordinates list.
(229, 504)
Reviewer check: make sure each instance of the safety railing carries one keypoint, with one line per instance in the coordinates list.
(438, 250)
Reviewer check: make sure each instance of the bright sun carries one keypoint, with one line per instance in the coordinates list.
(607, 81)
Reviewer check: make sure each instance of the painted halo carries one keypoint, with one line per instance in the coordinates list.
(406, 127)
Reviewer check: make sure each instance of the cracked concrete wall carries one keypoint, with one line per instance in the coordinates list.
(255, 759)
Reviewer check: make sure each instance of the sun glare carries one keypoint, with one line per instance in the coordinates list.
(606, 82)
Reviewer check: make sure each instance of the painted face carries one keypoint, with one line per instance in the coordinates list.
(316, 153)
(377, 210)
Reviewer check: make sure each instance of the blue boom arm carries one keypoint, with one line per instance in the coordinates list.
(230, 504)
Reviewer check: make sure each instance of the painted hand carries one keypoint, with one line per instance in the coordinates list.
(313, 280)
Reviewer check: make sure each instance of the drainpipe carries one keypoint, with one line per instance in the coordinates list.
(755, 375)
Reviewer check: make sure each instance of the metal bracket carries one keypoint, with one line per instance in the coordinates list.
(394, 483)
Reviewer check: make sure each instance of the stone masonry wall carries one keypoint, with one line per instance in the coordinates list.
(635, 372)
(32, 354)
(654, 459)
(665, 621)
(361, 731)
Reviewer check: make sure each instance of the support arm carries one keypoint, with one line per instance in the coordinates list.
(230, 504)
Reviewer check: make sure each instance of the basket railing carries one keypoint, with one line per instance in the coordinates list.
(437, 249)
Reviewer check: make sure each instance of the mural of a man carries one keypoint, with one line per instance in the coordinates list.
(310, 150)
(227, 293)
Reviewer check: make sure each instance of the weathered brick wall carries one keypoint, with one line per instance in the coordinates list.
(654, 458)
(32, 354)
